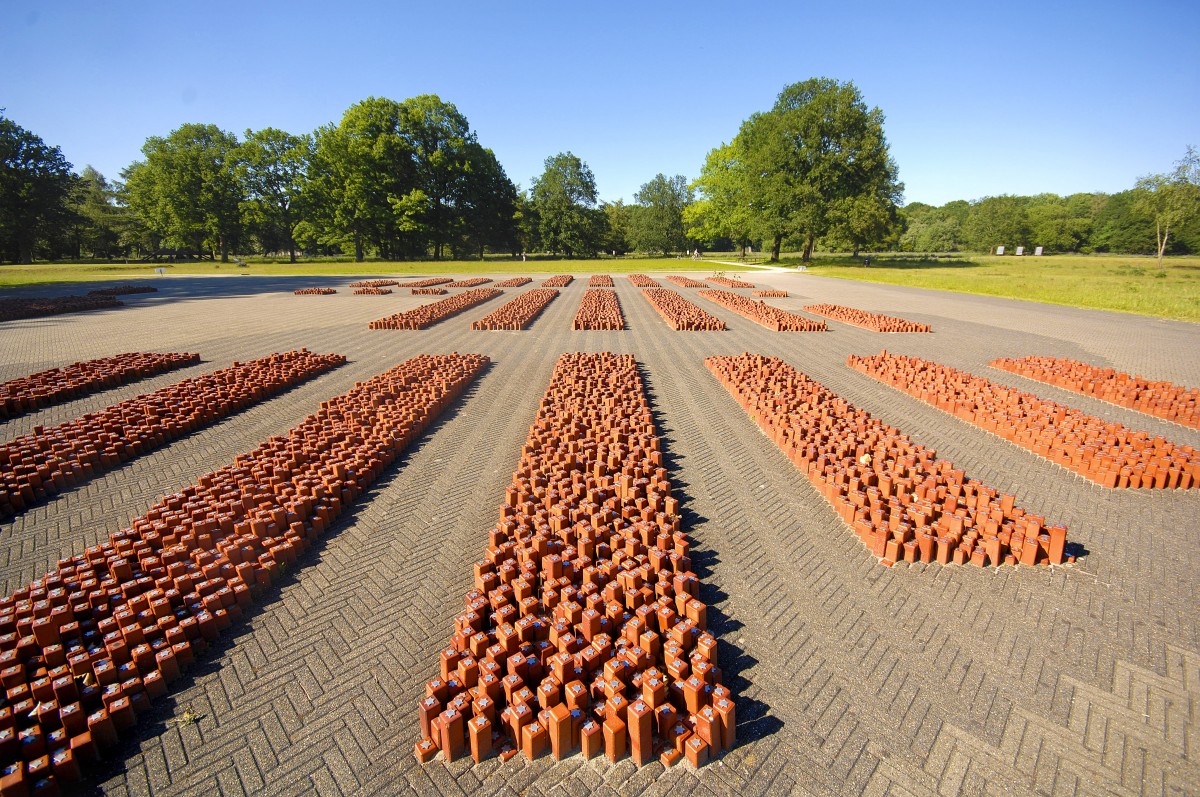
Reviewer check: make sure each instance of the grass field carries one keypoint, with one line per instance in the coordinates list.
(1127, 284)
(38, 273)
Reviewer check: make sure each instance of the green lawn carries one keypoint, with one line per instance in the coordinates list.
(13, 275)
(1127, 284)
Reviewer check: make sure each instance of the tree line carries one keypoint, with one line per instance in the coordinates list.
(405, 180)
(1160, 215)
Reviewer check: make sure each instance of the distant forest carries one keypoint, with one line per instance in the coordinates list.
(410, 180)
(1117, 223)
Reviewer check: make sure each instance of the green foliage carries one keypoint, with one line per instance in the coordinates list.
(360, 167)
(816, 163)
(723, 211)
(36, 186)
(618, 223)
(657, 226)
(487, 206)
(527, 223)
(564, 198)
(861, 221)
(186, 190)
(1120, 226)
(1172, 200)
(1058, 225)
(104, 228)
(1161, 215)
(997, 221)
(272, 166)
(405, 178)
(932, 229)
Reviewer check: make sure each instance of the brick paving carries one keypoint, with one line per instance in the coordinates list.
(850, 677)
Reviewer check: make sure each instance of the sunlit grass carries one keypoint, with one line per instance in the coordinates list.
(14, 275)
(1124, 283)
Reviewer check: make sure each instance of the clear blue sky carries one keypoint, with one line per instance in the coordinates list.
(981, 98)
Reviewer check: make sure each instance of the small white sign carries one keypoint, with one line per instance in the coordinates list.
(999, 250)
(1020, 251)
(160, 271)
(1037, 251)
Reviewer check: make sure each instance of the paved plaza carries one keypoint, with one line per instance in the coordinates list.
(850, 677)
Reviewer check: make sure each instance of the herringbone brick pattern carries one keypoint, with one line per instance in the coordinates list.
(851, 677)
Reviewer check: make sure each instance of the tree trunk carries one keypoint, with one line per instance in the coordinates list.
(288, 227)
(358, 247)
(808, 247)
(776, 245)
(1162, 235)
(224, 250)
(481, 251)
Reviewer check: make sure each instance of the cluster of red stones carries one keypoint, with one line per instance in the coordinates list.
(514, 282)
(429, 291)
(372, 291)
(1107, 453)
(47, 461)
(686, 282)
(769, 294)
(679, 313)
(518, 313)
(315, 291)
(16, 309)
(599, 309)
(122, 290)
(429, 314)
(729, 282)
(584, 630)
(374, 283)
(600, 281)
(762, 313)
(56, 385)
(428, 282)
(903, 502)
(85, 649)
(1164, 400)
(861, 318)
(642, 281)
(560, 281)
(472, 282)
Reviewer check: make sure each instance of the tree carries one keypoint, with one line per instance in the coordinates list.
(1121, 226)
(101, 222)
(186, 189)
(486, 204)
(443, 151)
(1171, 199)
(361, 183)
(1058, 224)
(798, 168)
(619, 220)
(863, 221)
(527, 223)
(406, 177)
(723, 211)
(997, 220)
(272, 166)
(36, 186)
(564, 198)
(658, 224)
